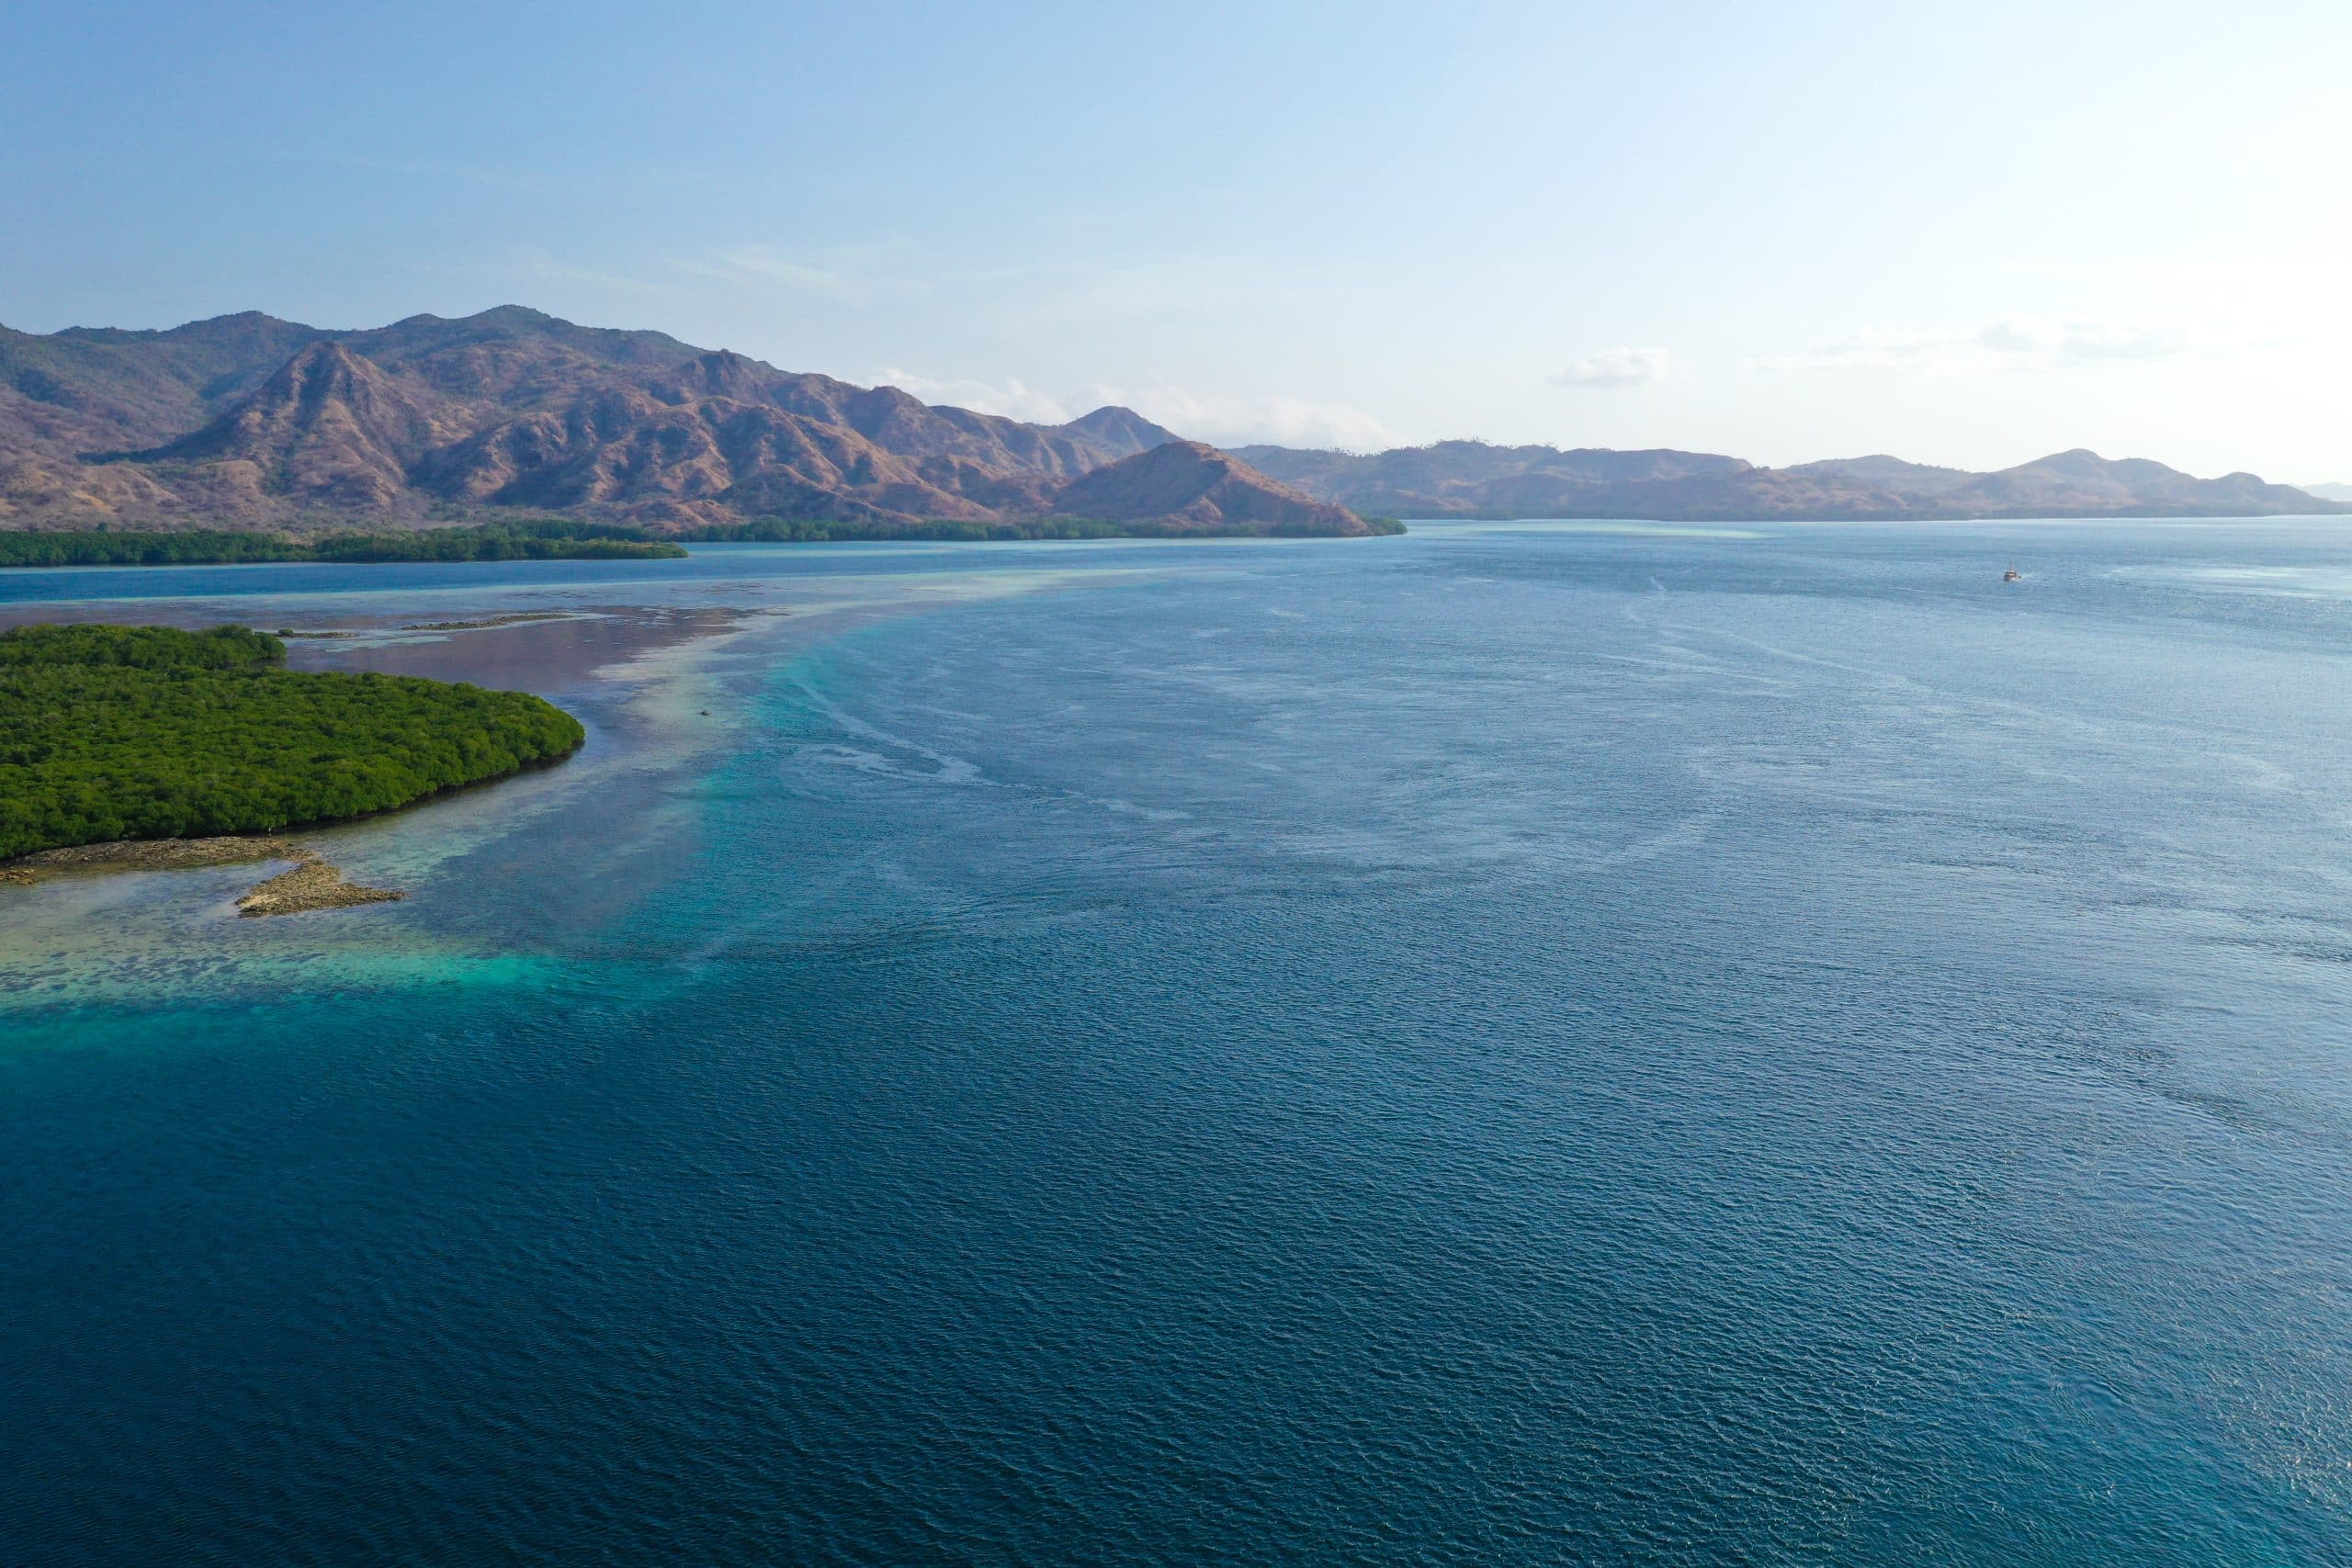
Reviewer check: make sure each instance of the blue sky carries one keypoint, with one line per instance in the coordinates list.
(1785, 231)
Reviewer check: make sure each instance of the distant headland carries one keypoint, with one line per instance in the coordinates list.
(1472, 479)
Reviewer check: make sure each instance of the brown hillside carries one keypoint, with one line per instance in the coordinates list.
(436, 418)
(1193, 487)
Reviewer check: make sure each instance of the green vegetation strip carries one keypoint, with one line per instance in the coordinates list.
(548, 538)
(147, 732)
(557, 539)
(775, 530)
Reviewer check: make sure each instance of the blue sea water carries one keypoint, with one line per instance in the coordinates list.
(1514, 1044)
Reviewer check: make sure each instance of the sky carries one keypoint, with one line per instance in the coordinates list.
(1963, 235)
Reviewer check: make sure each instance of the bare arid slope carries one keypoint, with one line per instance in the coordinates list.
(1193, 487)
(250, 421)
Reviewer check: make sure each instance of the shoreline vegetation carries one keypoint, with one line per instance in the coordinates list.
(557, 539)
(152, 747)
(776, 530)
(538, 538)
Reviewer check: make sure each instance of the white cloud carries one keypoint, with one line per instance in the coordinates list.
(2080, 337)
(1011, 399)
(1220, 420)
(1616, 368)
(2010, 342)
(1238, 422)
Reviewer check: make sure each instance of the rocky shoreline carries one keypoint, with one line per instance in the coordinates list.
(311, 884)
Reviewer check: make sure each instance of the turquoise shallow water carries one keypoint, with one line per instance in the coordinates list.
(1512, 1043)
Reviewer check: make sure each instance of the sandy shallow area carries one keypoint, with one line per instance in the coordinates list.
(310, 884)
(660, 686)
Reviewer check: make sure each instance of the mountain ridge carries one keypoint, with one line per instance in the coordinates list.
(247, 420)
(1472, 479)
(250, 421)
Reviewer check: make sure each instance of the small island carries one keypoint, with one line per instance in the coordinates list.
(112, 736)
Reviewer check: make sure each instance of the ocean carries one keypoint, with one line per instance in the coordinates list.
(1520, 1042)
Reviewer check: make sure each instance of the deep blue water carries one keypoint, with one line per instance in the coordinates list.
(1504, 1044)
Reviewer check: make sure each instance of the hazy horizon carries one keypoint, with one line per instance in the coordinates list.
(1825, 232)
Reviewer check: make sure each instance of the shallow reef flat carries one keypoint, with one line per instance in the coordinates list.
(311, 884)
(146, 855)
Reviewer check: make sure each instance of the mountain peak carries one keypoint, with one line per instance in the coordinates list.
(329, 427)
(325, 357)
(1117, 418)
(513, 315)
(1192, 487)
(1117, 432)
(240, 319)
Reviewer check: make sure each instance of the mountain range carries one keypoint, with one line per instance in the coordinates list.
(1472, 479)
(247, 419)
(250, 421)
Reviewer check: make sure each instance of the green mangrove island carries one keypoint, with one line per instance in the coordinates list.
(112, 733)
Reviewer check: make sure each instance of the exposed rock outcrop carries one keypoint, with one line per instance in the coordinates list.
(311, 884)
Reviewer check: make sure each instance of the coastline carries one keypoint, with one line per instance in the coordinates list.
(311, 882)
(494, 543)
(652, 681)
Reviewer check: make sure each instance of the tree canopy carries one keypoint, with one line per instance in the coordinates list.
(533, 538)
(148, 732)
